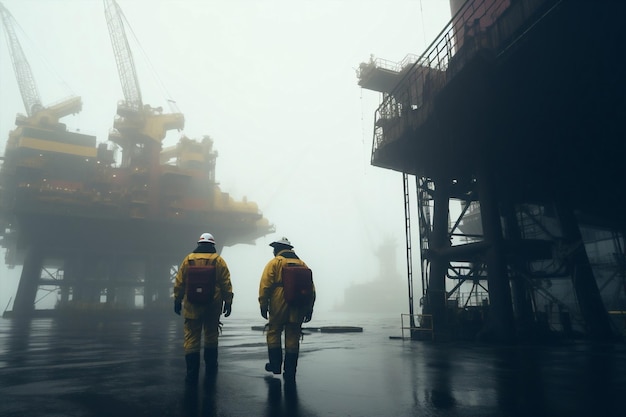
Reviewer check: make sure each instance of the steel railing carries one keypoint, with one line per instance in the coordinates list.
(470, 30)
(425, 324)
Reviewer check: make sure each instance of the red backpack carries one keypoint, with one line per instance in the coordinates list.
(297, 285)
(201, 280)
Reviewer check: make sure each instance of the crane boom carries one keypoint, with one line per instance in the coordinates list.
(138, 127)
(123, 55)
(23, 72)
(36, 113)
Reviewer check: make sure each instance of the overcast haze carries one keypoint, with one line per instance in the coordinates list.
(274, 84)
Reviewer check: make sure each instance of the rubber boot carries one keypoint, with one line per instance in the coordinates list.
(291, 363)
(193, 367)
(210, 360)
(275, 364)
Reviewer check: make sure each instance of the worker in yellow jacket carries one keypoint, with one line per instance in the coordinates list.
(283, 315)
(203, 291)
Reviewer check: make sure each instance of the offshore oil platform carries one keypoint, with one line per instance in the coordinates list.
(107, 233)
(512, 124)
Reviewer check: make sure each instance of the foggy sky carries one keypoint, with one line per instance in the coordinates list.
(274, 84)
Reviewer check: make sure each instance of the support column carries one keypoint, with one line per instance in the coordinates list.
(597, 321)
(522, 303)
(29, 283)
(85, 293)
(439, 242)
(65, 292)
(500, 323)
(71, 274)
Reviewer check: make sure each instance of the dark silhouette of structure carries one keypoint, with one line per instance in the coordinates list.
(512, 122)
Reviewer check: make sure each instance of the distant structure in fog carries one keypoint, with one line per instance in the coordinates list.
(515, 113)
(384, 291)
(101, 233)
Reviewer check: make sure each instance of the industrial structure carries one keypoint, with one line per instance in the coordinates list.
(103, 233)
(512, 124)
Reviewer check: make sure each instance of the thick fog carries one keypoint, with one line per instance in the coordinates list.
(274, 84)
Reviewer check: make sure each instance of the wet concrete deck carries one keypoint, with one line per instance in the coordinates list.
(113, 367)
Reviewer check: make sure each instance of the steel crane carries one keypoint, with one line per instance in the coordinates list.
(36, 113)
(137, 123)
(123, 56)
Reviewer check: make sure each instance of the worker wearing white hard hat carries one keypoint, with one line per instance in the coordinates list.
(206, 238)
(283, 315)
(203, 291)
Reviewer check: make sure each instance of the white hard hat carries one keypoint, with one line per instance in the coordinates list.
(206, 237)
(283, 241)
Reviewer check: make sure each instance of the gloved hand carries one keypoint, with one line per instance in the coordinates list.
(177, 306)
(228, 307)
(308, 316)
(264, 312)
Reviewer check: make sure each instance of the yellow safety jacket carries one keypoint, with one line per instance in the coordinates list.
(271, 293)
(223, 286)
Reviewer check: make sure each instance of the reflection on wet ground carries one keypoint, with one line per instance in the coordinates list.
(114, 367)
